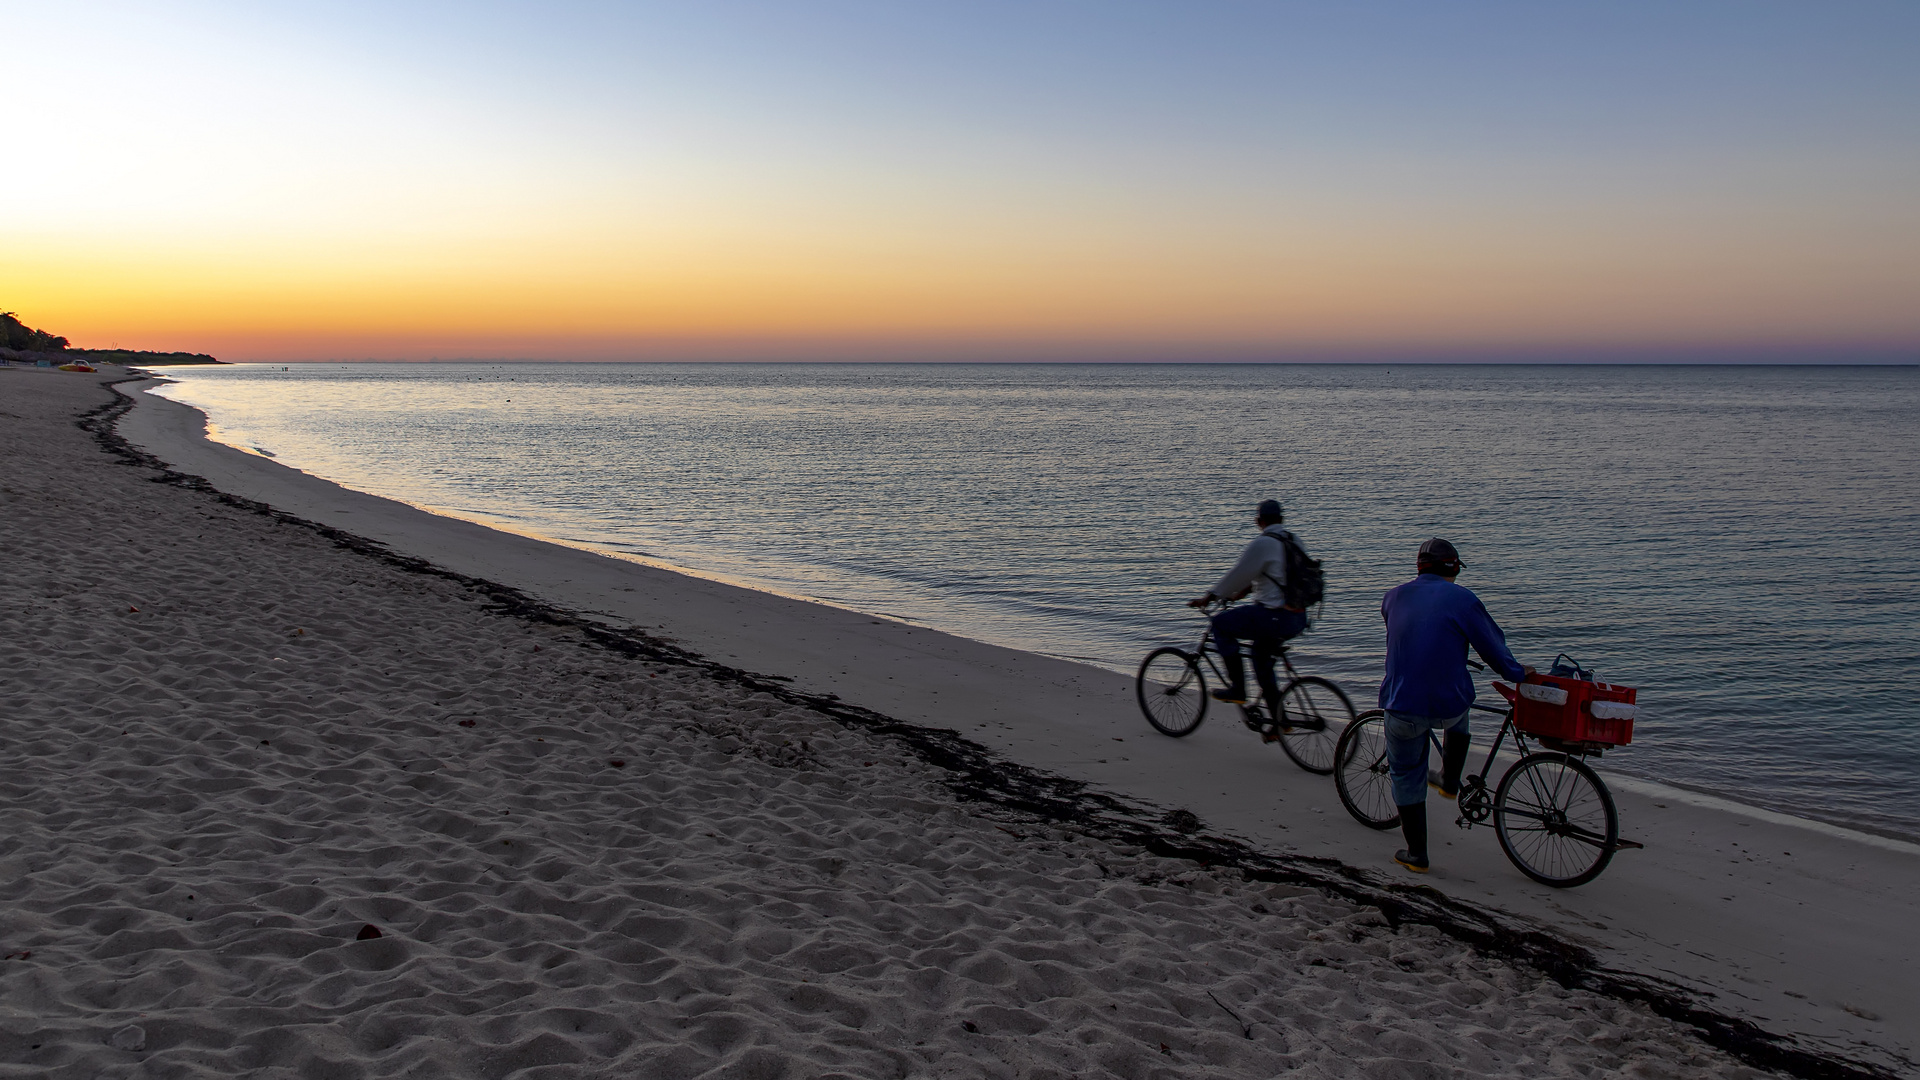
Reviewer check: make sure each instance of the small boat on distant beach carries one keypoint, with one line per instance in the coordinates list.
(77, 367)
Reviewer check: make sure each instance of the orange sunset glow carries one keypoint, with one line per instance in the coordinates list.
(271, 191)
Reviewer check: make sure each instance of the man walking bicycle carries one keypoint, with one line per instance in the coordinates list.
(1430, 622)
(1269, 620)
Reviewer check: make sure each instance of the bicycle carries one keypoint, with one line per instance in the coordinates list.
(1554, 816)
(1171, 687)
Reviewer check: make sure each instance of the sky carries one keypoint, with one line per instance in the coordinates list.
(1036, 180)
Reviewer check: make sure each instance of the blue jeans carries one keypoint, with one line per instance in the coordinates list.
(1265, 628)
(1407, 751)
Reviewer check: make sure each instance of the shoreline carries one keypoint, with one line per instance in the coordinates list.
(1009, 766)
(1836, 826)
(1650, 786)
(1662, 912)
(1054, 710)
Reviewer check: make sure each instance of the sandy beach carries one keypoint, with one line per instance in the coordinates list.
(303, 787)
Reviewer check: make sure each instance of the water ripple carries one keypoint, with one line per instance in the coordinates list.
(1735, 541)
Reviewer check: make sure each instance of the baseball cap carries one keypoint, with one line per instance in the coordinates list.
(1439, 551)
(1270, 508)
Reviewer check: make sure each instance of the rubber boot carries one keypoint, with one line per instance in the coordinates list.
(1235, 692)
(1413, 823)
(1453, 761)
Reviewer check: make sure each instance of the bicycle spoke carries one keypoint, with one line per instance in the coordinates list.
(1363, 784)
(1554, 819)
(1312, 714)
(1540, 798)
(1171, 692)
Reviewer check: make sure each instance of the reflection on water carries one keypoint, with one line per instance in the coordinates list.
(1735, 541)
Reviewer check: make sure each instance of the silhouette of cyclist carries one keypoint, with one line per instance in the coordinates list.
(1265, 623)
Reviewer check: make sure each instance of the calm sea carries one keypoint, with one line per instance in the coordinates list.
(1742, 543)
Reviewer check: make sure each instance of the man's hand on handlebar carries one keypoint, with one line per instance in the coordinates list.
(1525, 669)
(1203, 601)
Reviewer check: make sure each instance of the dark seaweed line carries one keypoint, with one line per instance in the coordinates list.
(973, 773)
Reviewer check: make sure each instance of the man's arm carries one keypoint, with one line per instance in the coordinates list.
(1238, 581)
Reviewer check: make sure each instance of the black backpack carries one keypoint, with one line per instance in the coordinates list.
(1306, 583)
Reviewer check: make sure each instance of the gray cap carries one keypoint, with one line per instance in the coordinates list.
(1270, 509)
(1437, 550)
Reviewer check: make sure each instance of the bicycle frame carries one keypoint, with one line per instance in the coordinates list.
(1207, 650)
(1519, 740)
(1506, 726)
(1555, 818)
(1474, 800)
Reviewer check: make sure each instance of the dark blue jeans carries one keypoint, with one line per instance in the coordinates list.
(1264, 628)
(1407, 750)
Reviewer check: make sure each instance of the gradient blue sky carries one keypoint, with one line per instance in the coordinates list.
(308, 181)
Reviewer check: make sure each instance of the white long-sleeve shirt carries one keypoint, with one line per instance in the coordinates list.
(1263, 565)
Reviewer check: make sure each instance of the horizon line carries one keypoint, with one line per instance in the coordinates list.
(1904, 358)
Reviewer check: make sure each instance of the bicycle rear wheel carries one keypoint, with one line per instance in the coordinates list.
(1360, 772)
(1313, 713)
(1172, 692)
(1555, 820)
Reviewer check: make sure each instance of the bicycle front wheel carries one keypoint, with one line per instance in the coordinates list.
(1555, 820)
(1172, 692)
(1360, 772)
(1313, 713)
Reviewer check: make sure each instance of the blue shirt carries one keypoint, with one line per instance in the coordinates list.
(1430, 623)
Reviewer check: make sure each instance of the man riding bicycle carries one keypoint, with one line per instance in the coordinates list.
(1266, 623)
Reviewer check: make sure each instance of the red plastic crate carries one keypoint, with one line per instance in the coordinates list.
(1572, 720)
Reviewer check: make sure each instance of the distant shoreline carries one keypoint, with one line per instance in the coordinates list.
(810, 362)
(122, 357)
(142, 357)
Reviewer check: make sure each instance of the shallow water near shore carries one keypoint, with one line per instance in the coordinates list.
(1733, 541)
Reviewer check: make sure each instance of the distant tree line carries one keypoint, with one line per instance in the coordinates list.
(19, 335)
(142, 357)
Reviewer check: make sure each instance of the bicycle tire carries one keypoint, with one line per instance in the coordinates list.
(1360, 773)
(1172, 691)
(1555, 819)
(1327, 714)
